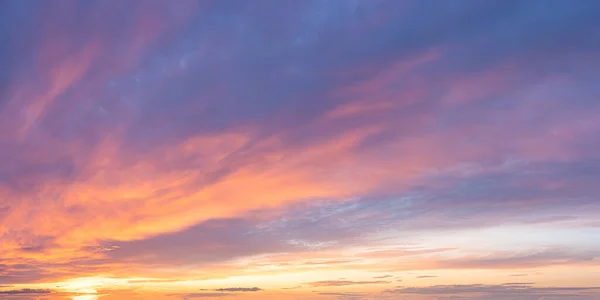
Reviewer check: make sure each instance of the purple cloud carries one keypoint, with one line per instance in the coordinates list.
(504, 291)
(25, 291)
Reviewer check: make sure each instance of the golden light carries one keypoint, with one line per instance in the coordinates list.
(86, 297)
(86, 287)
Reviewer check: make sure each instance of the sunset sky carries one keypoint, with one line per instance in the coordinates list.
(300, 149)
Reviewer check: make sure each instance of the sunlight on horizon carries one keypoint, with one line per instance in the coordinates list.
(86, 297)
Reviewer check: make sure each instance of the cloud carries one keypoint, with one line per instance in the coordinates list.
(239, 289)
(552, 219)
(233, 237)
(523, 260)
(344, 282)
(426, 276)
(203, 295)
(383, 276)
(503, 291)
(399, 252)
(25, 291)
(185, 132)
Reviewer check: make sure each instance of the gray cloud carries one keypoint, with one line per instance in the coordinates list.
(239, 289)
(25, 291)
(234, 238)
(503, 291)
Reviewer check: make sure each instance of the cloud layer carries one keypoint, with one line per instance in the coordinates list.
(215, 140)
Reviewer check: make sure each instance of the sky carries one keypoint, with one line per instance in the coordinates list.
(284, 149)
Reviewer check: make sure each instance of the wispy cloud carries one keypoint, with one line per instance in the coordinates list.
(347, 295)
(25, 291)
(239, 289)
(344, 282)
(206, 140)
(503, 291)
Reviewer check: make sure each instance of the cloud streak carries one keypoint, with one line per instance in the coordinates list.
(25, 291)
(503, 291)
(344, 282)
(239, 289)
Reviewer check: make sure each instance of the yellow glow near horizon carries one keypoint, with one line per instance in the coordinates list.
(87, 287)
(86, 297)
